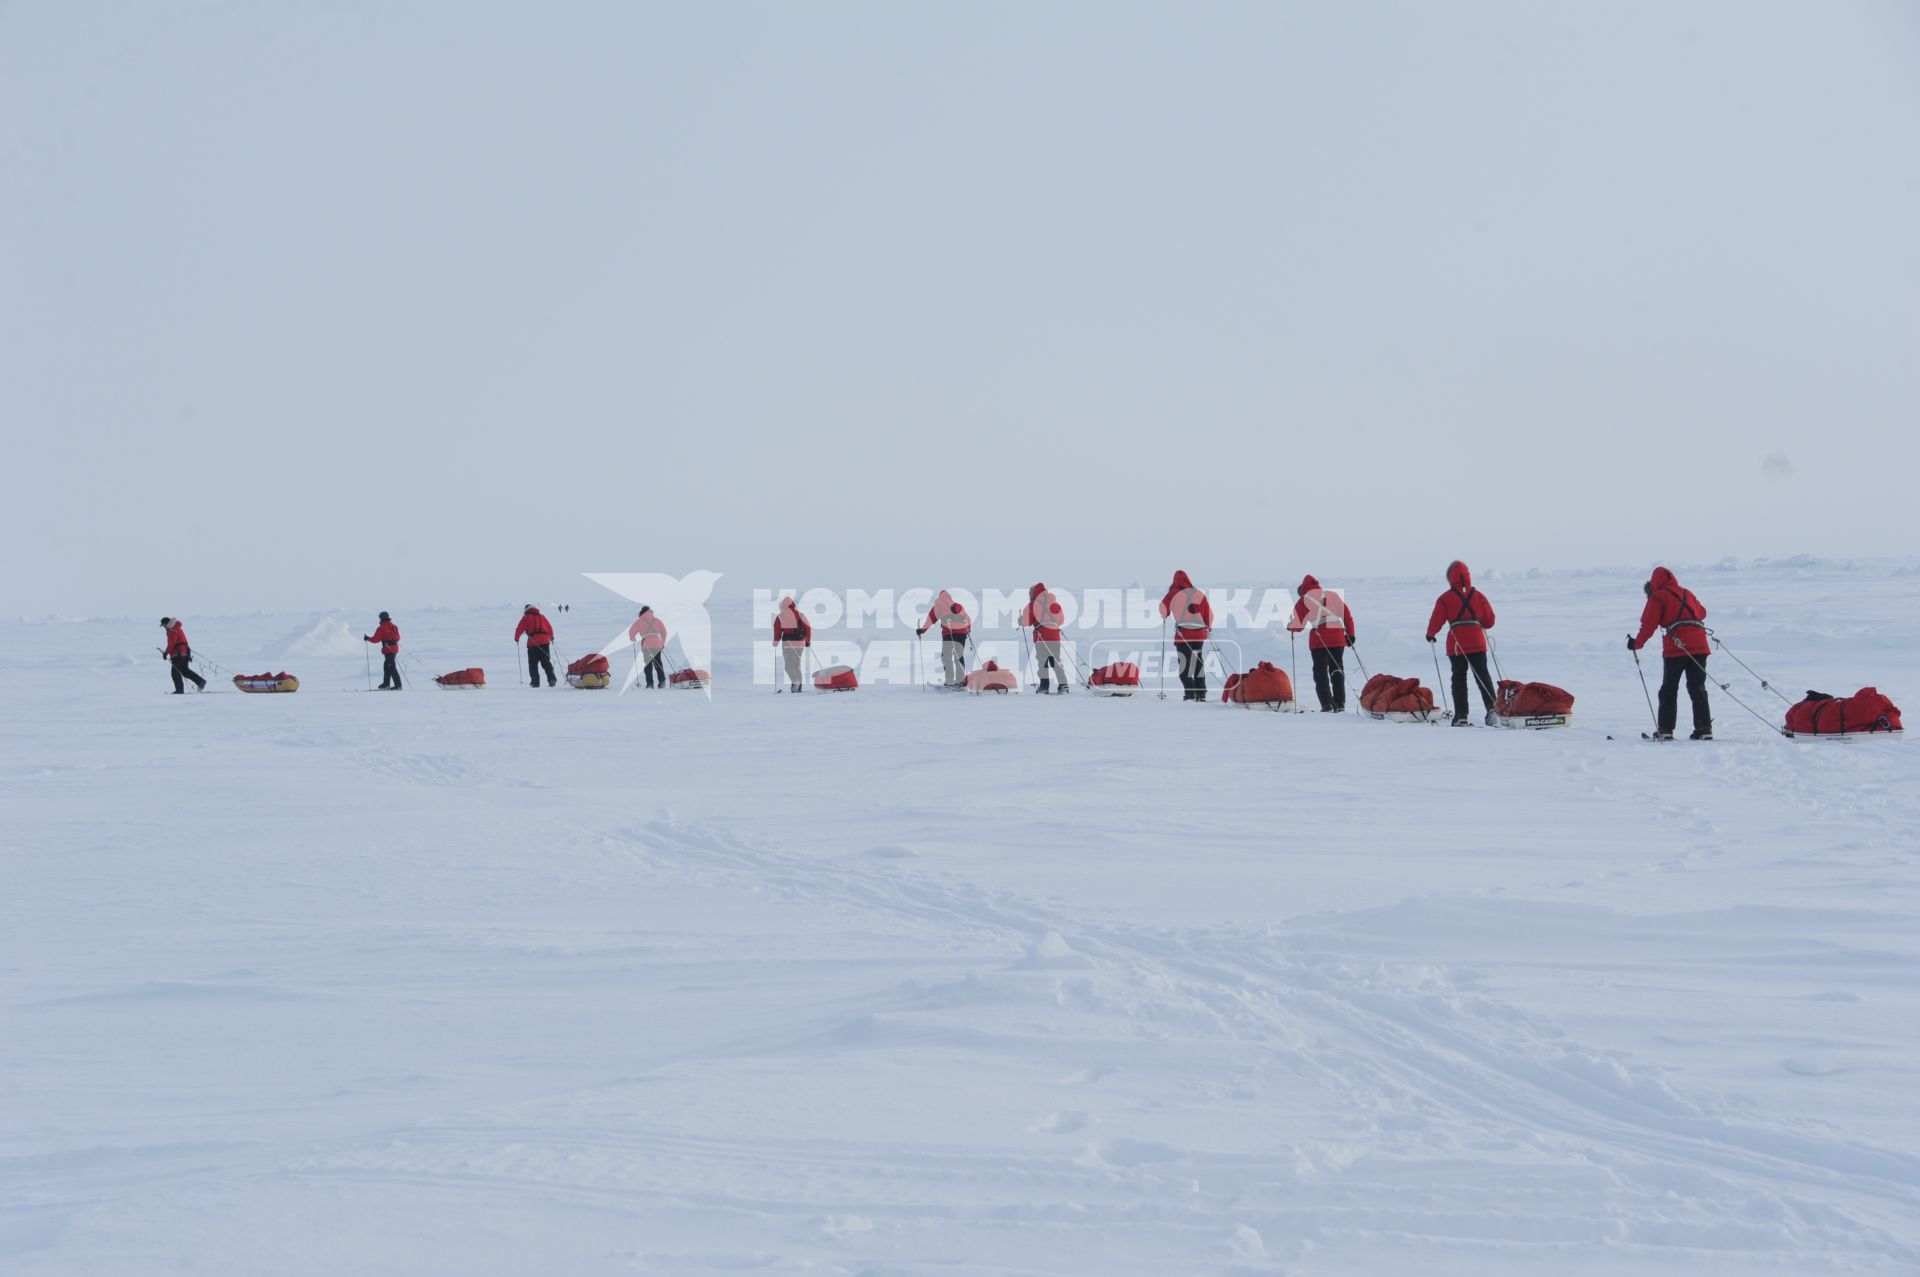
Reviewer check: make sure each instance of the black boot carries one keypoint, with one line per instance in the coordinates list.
(1046, 688)
(1702, 733)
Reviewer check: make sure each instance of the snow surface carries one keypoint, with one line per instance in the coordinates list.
(902, 983)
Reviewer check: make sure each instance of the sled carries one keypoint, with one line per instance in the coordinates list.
(591, 681)
(1894, 733)
(1824, 717)
(282, 682)
(1121, 678)
(1265, 686)
(1532, 722)
(836, 678)
(1407, 715)
(474, 677)
(1388, 699)
(991, 678)
(689, 678)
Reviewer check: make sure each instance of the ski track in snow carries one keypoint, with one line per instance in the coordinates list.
(312, 985)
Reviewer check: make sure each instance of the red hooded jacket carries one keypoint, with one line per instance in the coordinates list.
(387, 635)
(1464, 611)
(790, 628)
(1043, 613)
(1187, 607)
(538, 631)
(1325, 616)
(1675, 610)
(949, 615)
(649, 631)
(177, 641)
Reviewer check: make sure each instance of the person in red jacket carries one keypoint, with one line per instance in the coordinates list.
(955, 627)
(1681, 618)
(1043, 615)
(1192, 615)
(1325, 617)
(538, 632)
(387, 635)
(650, 632)
(792, 634)
(180, 657)
(1468, 616)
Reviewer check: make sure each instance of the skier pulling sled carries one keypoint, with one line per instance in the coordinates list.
(1265, 686)
(1398, 700)
(281, 682)
(990, 677)
(589, 673)
(1531, 706)
(1824, 717)
(1121, 678)
(473, 677)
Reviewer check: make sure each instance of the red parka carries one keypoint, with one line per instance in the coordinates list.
(649, 631)
(177, 641)
(790, 628)
(949, 616)
(1043, 613)
(1187, 607)
(1464, 611)
(1324, 616)
(1675, 610)
(536, 628)
(387, 635)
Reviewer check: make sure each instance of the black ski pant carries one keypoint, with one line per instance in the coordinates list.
(1330, 677)
(183, 673)
(1193, 668)
(390, 671)
(1478, 660)
(655, 665)
(1695, 670)
(538, 658)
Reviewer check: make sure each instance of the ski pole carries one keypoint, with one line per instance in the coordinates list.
(367, 650)
(1356, 659)
(1440, 683)
(1643, 686)
(1293, 647)
(1163, 658)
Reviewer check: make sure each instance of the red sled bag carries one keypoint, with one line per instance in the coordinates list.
(1121, 678)
(1264, 684)
(1530, 700)
(595, 664)
(836, 678)
(1866, 711)
(472, 677)
(689, 678)
(991, 678)
(1385, 694)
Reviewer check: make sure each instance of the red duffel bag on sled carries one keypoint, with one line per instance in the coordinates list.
(689, 678)
(1122, 678)
(1865, 713)
(991, 678)
(836, 678)
(1400, 699)
(1265, 685)
(1536, 705)
(472, 677)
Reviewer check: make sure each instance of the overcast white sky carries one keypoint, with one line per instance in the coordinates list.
(383, 304)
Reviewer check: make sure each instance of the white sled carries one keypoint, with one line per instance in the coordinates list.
(1532, 722)
(1407, 716)
(1841, 735)
(1113, 689)
(1277, 707)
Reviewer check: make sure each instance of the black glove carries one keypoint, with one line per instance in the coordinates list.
(1352, 641)
(1430, 638)
(1631, 645)
(366, 638)
(921, 630)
